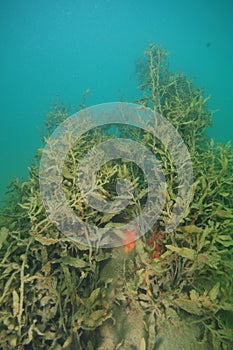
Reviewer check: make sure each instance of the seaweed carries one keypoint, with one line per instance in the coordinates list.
(59, 294)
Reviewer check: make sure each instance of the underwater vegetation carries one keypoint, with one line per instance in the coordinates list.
(160, 291)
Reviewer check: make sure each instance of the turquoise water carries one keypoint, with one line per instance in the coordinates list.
(50, 48)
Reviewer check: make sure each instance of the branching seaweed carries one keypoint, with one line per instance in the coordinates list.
(59, 294)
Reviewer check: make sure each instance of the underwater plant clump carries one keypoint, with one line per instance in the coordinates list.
(59, 294)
